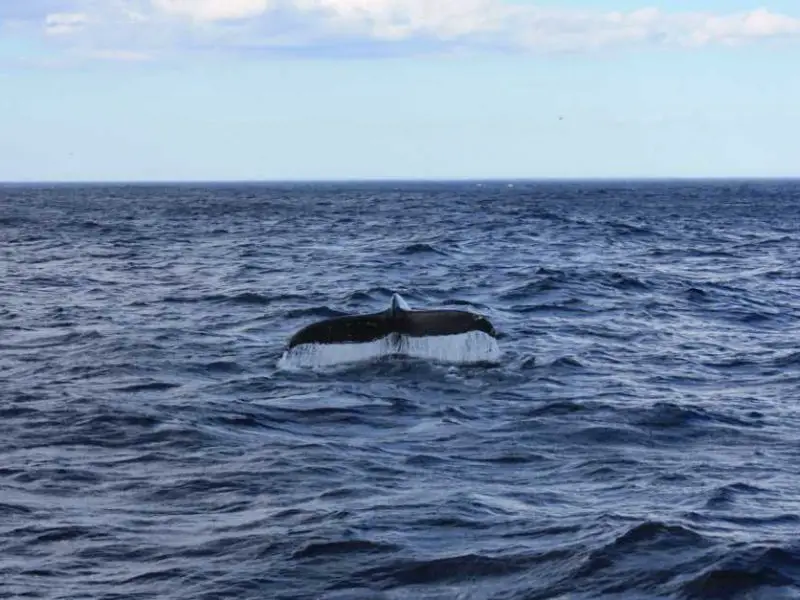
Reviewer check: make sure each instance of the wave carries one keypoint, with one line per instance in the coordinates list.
(755, 572)
(631, 435)
(419, 248)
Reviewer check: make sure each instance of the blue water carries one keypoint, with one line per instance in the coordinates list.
(637, 438)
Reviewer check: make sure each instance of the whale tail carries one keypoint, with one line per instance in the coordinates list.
(397, 319)
(342, 330)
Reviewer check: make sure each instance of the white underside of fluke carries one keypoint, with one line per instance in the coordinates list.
(465, 348)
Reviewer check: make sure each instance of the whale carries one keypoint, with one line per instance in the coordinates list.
(397, 322)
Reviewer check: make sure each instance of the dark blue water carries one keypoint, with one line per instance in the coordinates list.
(637, 439)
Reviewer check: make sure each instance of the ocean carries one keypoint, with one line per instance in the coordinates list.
(634, 435)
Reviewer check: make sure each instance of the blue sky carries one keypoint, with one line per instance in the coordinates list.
(344, 89)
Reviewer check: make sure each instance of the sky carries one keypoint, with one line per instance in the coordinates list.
(200, 90)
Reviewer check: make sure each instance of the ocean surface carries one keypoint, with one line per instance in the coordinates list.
(637, 434)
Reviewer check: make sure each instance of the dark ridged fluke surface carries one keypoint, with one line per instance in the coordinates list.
(639, 438)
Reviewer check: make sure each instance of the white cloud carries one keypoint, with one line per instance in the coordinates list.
(400, 19)
(214, 10)
(740, 27)
(65, 23)
(321, 27)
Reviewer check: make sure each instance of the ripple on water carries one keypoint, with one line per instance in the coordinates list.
(631, 435)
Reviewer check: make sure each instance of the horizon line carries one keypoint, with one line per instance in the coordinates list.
(545, 179)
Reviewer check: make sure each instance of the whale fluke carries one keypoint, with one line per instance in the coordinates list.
(340, 330)
(398, 319)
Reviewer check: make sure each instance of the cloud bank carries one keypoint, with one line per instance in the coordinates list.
(142, 28)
